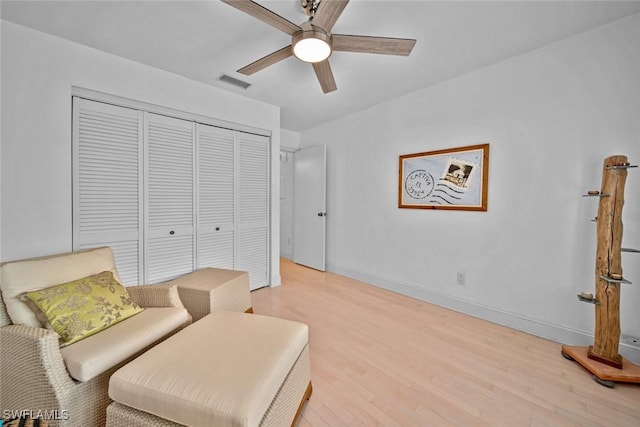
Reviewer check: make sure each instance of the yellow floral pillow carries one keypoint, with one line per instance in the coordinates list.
(78, 309)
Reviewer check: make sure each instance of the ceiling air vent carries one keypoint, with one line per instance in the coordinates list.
(233, 81)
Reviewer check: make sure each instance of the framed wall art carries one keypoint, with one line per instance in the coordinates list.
(455, 178)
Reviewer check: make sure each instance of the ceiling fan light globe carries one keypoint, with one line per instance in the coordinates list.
(311, 46)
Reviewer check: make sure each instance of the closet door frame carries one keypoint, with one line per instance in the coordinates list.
(92, 95)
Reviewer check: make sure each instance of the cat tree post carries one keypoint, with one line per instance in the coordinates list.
(602, 358)
(609, 264)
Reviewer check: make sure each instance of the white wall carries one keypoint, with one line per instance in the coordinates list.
(551, 117)
(38, 72)
(289, 140)
(289, 143)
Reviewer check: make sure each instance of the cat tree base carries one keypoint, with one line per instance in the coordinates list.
(607, 375)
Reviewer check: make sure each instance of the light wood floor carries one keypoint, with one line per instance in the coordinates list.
(379, 358)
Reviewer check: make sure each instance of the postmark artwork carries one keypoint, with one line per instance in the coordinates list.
(445, 179)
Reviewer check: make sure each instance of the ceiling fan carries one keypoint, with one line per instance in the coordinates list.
(313, 41)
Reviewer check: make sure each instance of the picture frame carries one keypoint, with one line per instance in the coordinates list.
(448, 179)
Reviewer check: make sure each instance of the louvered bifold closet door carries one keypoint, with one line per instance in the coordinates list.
(107, 186)
(169, 147)
(216, 197)
(253, 208)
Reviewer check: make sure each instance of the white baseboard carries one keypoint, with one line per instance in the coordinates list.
(522, 323)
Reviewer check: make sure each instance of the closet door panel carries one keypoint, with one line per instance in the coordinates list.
(127, 256)
(169, 196)
(252, 255)
(170, 257)
(253, 208)
(216, 197)
(107, 183)
(216, 250)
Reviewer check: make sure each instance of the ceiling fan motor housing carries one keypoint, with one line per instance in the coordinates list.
(309, 6)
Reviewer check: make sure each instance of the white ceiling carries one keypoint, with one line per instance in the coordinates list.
(202, 39)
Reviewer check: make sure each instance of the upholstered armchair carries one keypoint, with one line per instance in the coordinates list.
(68, 385)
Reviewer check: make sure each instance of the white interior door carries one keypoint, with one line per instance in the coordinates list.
(309, 212)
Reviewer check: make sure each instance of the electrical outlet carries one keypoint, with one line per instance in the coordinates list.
(630, 340)
(461, 278)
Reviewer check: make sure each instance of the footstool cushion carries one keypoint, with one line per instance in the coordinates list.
(223, 370)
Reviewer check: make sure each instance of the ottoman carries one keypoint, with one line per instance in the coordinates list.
(214, 289)
(228, 369)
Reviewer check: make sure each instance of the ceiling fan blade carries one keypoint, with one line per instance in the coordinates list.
(270, 59)
(367, 44)
(328, 13)
(265, 15)
(325, 76)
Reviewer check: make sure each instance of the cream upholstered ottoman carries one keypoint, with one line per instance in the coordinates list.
(228, 369)
(214, 289)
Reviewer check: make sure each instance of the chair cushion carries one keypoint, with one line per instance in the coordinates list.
(98, 353)
(81, 308)
(18, 277)
(223, 370)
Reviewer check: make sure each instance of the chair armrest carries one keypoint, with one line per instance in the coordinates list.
(155, 295)
(32, 367)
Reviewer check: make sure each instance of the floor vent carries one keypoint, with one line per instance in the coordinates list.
(233, 81)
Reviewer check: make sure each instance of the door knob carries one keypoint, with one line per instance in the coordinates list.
(322, 214)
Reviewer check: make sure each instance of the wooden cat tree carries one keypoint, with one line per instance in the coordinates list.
(602, 358)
